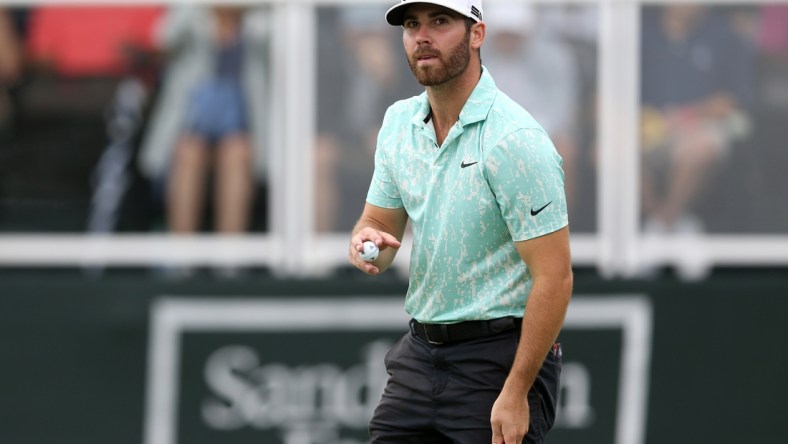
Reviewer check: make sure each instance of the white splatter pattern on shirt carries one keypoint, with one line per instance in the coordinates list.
(465, 218)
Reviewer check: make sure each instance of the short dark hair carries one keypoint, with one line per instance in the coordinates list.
(469, 22)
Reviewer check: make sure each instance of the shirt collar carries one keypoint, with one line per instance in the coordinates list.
(475, 109)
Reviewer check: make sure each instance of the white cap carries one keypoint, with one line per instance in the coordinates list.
(469, 8)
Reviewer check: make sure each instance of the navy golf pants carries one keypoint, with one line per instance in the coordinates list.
(443, 394)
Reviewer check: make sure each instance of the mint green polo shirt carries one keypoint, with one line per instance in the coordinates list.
(496, 179)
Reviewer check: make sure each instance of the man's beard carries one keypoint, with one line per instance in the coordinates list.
(457, 63)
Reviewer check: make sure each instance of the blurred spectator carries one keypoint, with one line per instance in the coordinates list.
(74, 59)
(771, 155)
(577, 25)
(10, 69)
(696, 89)
(330, 95)
(10, 49)
(359, 80)
(772, 40)
(774, 30)
(209, 123)
(539, 71)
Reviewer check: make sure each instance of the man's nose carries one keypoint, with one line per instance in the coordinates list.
(422, 35)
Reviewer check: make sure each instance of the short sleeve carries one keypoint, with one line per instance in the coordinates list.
(383, 189)
(525, 174)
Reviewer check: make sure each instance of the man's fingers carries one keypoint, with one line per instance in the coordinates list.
(506, 435)
(379, 238)
(513, 436)
(497, 433)
(389, 240)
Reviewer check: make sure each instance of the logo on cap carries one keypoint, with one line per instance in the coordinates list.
(476, 12)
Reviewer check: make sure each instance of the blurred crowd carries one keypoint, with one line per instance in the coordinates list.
(123, 118)
(134, 118)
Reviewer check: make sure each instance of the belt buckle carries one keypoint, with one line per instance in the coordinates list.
(427, 335)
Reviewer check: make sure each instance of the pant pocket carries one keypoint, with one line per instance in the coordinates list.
(548, 382)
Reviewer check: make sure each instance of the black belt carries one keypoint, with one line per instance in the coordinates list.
(445, 333)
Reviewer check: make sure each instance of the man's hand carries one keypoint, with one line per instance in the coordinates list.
(380, 238)
(510, 417)
(382, 226)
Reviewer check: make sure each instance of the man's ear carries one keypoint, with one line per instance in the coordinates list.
(478, 33)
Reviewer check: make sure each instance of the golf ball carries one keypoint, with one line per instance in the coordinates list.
(370, 252)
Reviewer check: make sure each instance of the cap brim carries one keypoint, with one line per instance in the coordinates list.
(395, 16)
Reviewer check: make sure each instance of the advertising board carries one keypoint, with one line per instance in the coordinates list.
(310, 371)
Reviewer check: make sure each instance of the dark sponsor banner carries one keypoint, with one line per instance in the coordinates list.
(95, 361)
(310, 371)
(269, 370)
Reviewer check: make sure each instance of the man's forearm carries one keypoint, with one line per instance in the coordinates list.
(542, 322)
